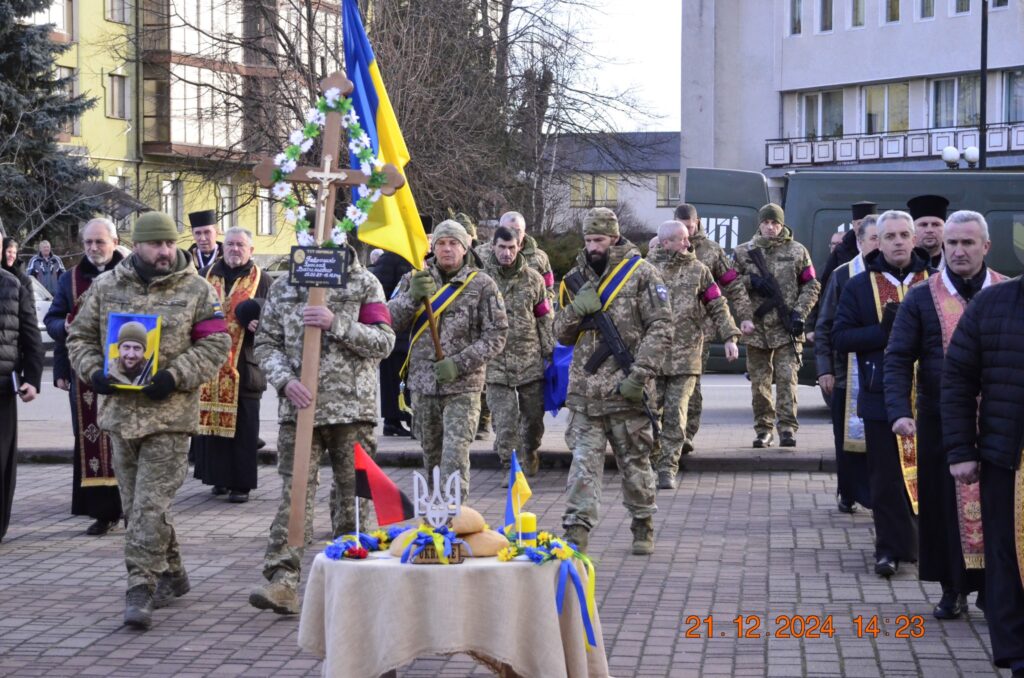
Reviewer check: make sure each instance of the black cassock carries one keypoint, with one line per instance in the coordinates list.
(1004, 592)
(231, 462)
(895, 524)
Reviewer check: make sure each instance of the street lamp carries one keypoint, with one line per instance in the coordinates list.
(951, 156)
(972, 155)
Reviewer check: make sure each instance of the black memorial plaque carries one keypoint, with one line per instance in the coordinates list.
(317, 267)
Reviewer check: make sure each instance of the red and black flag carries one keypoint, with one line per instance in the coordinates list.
(391, 504)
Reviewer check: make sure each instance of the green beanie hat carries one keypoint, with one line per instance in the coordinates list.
(449, 228)
(467, 223)
(771, 212)
(133, 331)
(601, 221)
(154, 226)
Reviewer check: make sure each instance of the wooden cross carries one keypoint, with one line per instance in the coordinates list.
(329, 177)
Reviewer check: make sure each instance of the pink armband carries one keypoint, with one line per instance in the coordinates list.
(374, 314)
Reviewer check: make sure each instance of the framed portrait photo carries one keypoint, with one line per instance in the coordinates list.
(133, 349)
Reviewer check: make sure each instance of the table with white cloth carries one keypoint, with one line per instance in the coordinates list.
(365, 618)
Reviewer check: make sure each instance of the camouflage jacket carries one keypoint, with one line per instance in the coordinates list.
(711, 254)
(194, 343)
(643, 316)
(695, 297)
(350, 352)
(790, 265)
(536, 258)
(531, 320)
(472, 331)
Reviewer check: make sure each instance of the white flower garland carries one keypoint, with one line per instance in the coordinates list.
(300, 141)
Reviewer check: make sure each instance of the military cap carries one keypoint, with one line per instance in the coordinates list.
(132, 330)
(771, 212)
(449, 228)
(601, 221)
(154, 227)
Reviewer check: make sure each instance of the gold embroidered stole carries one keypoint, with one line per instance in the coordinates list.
(218, 399)
(886, 291)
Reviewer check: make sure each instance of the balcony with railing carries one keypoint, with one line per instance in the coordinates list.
(893, 147)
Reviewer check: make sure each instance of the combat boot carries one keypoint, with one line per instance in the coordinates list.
(579, 535)
(138, 607)
(275, 596)
(666, 480)
(169, 587)
(643, 536)
(532, 464)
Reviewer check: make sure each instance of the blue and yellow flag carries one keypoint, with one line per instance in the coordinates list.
(518, 491)
(394, 222)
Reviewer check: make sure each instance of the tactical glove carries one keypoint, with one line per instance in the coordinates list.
(445, 371)
(101, 383)
(421, 286)
(632, 389)
(586, 301)
(889, 316)
(161, 387)
(796, 323)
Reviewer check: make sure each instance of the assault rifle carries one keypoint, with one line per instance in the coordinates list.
(775, 299)
(611, 344)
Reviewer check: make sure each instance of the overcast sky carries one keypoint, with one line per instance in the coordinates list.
(643, 38)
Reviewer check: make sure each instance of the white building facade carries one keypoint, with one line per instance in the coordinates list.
(776, 85)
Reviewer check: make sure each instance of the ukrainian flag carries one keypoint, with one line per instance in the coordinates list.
(394, 222)
(518, 492)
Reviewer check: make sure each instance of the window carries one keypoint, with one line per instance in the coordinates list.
(264, 212)
(172, 201)
(1000, 3)
(825, 16)
(961, 7)
(927, 9)
(1015, 96)
(795, 9)
(822, 114)
(156, 104)
(886, 108)
(226, 192)
(117, 10)
(892, 11)
(955, 101)
(70, 88)
(668, 190)
(590, 190)
(117, 96)
(856, 13)
(60, 13)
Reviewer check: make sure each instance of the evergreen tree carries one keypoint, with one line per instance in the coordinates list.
(39, 180)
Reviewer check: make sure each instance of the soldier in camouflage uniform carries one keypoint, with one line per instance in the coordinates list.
(607, 406)
(149, 429)
(694, 297)
(536, 258)
(446, 392)
(356, 336)
(711, 254)
(515, 377)
(773, 351)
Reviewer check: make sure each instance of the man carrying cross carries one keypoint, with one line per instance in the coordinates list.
(472, 325)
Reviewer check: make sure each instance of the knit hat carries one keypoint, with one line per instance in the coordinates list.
(466, 222)
(449, 228)
(154, 226)
(133, 331)
(601, 221)
(771, 212)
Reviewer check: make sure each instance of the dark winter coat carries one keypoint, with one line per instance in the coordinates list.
(986, 357)
(21, 346)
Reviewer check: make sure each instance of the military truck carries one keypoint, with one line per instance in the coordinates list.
(817, 204)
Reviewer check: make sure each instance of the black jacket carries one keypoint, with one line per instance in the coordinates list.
(21, 346)
(826, 358)
(916, 337)
(63, 303)
(857, 330)
(986, 357)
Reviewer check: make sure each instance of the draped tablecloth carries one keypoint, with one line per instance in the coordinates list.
(365, 618)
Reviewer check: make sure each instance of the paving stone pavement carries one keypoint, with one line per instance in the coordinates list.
(764, 546)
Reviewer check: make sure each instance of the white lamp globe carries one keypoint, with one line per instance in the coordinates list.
(971, 154)
(950, 154)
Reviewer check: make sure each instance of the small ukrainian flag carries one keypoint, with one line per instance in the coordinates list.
(518, 492)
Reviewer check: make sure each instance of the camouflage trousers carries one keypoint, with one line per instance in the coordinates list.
(485, 413)
(696, 406)
(673, 400)
(446, 427)
(518, 419)
(780, 365)
(631, 438)
(283, 563)
(149, 472)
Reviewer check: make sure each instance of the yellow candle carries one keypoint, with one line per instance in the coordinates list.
(526, 524)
